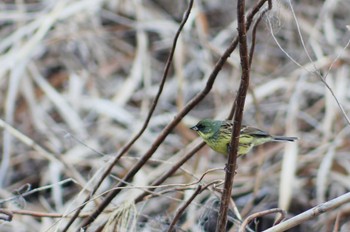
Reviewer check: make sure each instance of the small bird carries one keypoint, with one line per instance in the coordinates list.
(217, 134)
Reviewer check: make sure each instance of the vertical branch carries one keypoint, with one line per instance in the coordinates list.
(218, 66)
(242, 92)
(250, 18)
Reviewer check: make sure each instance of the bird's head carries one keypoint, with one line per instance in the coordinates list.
(207, 127)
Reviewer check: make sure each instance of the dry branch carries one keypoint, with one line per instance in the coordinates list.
(311, 213)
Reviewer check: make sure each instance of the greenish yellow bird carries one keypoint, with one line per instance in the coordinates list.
(217, 134)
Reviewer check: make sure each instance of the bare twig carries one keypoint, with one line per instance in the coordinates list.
(252, 217)
(316, 71)
(187, 203)
(255, 27)
(250, 18)
(52, 157)
(26, 191)
(171, 171)
(182, 209)
(311, 213)
(38, 214)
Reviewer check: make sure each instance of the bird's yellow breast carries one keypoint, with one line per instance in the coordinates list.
(220, 143)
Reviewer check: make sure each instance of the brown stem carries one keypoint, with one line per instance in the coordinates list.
(182, 209)
(171, 171)
(249, 219)
(250, 18)
(242, 93)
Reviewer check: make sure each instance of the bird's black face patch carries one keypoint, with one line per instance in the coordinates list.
(207, 127)
(203, 128)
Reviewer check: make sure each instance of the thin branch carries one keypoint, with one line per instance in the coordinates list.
(250, 18)
(38, 214)
(182, 209)
(187, 203)
(171, 171)
(26, 190)
(255, 27)
(316, 72)
(252, 217)
(52, 157)
(311, 213)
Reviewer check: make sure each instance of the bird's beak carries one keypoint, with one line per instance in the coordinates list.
(195, 128)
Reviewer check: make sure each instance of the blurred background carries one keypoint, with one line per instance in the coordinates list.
(77, 80)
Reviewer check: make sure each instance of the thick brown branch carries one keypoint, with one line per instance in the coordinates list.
(242, 92)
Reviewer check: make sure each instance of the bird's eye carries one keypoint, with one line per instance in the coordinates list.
(203, 128)
(200, 127)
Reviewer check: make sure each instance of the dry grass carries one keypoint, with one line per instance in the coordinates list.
(77, 80)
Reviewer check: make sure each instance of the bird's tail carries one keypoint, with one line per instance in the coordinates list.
(284, 138)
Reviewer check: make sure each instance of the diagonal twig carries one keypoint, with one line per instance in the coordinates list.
(148, 118)
(127, 147)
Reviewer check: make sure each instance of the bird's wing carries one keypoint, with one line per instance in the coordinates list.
(227, 125)
(253, 131)
(246, 129)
